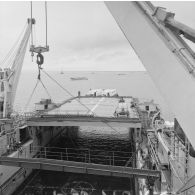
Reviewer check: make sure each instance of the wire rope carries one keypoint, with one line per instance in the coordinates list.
(10, 53)
(10, 60)
(77, 100)
(65, 90)
(46, 22)
(34, 34)
(89, 110)
(31, 94)
(68, 93)
(16, 53)
(31, 12)
(45, 89)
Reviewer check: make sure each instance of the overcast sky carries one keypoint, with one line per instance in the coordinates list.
(81, 35)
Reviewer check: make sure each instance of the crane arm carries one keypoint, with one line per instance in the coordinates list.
(10, 76)
(18, 62)
(165, 55)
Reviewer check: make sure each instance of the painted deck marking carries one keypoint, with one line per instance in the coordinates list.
(92, 110)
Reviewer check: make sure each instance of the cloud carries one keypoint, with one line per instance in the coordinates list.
(111, 55)
(100, 59)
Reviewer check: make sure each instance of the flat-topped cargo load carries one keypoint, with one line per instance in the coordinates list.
(85, 110)
(102, 92)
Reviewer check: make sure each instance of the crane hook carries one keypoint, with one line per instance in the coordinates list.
(40, 59)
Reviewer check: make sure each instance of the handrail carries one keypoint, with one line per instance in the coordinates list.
(176, 173)
(114, 158)
(101, 118)
(153, 151)
(82, 149)
(87, 155)
(170, 159)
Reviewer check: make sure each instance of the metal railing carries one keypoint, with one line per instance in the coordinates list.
(170, 161)
(68, 112)
(153, 152)
(86, 155)
(114, 158)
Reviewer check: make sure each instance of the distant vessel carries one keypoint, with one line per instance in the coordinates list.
(78, 78)
(121, 74)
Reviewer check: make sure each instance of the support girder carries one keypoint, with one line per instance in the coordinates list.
(78, 167)
(74, 120)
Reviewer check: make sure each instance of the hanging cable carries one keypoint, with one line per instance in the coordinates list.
(112, 127)
(46, 23)
(34, 35)
(40, 49)
(45, 89)
(31, 94)
(31, 12)
(12, 50)
(57, 83)
(66, 90)
(105, 122)
(10, 60)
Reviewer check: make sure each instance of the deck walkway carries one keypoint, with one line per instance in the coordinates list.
(78, 167)
(81, 120)
(83, 111)
(75, 160)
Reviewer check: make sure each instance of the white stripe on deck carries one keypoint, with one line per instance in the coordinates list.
(92, 110)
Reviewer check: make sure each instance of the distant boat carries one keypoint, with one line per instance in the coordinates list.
(78, 78)
(121, 74)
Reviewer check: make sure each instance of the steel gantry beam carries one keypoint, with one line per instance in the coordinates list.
(78, 167)
(74, 120)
